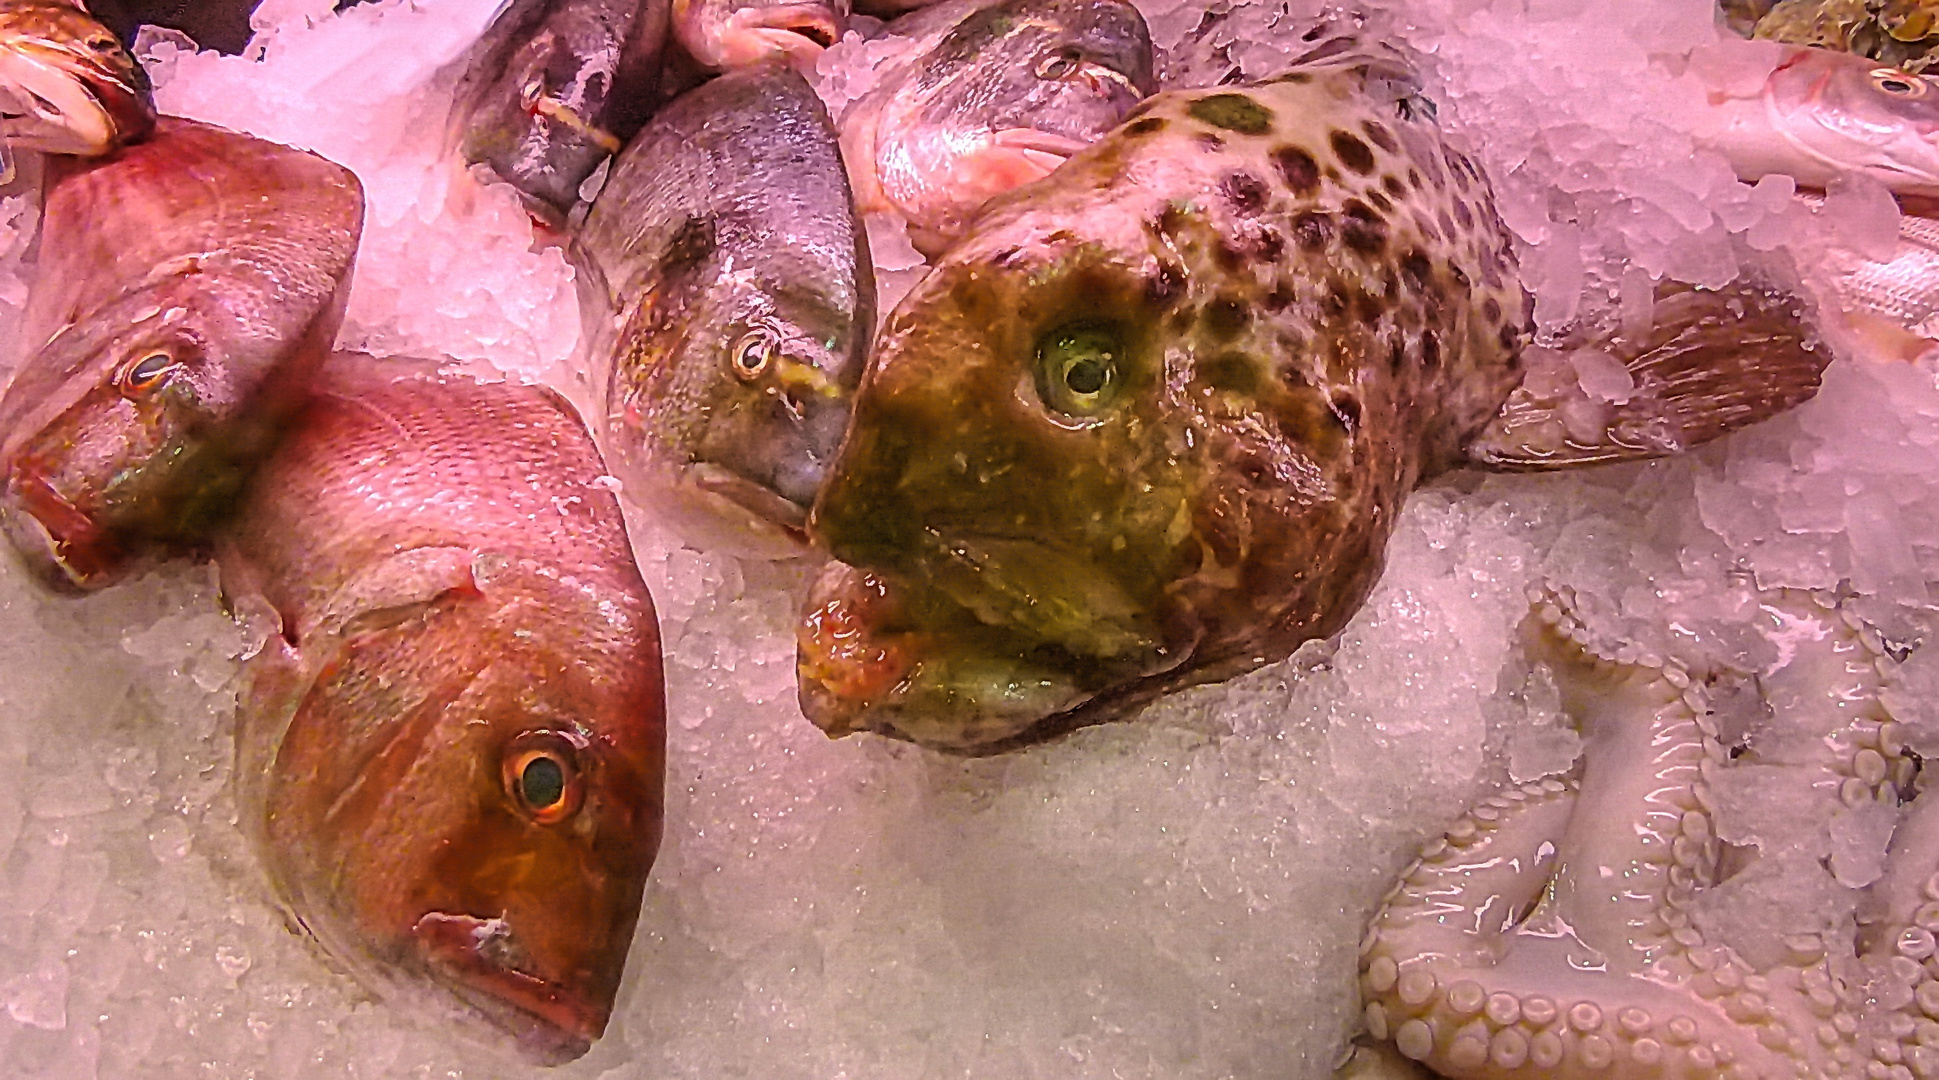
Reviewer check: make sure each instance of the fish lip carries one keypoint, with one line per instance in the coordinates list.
(752, 34)
(755, 498)
(97, 109)
(550, 1024)
(62, 545)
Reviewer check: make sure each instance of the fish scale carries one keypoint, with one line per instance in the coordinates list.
(1151, 421)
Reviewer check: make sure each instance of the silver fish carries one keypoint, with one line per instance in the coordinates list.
(728, 295)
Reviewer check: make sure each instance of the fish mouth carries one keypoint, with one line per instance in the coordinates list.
(796, 32)
(62, 545)
(58, 100)
(549, 1024)
(1018, 156)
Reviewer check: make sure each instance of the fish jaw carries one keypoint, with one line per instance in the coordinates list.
(60, 94)
(743, 37)
(550, 1024)
(61, 545)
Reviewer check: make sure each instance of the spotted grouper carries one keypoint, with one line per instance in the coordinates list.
(450, 748)
(1150, 423)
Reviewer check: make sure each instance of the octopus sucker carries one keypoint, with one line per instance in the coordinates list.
(1550, 932)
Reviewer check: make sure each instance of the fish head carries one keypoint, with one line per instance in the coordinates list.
(743, 380)
(67, 86)
(463, 811)
(1849, 114)
(133, 425)
(1006, 96)
(731, 34)
(1012, 498)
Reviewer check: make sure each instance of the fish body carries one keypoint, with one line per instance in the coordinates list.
(1817, 115)
(187, 288)
(721, 35)
(1150, 423)
(67, 86)
(1892, 303)
(728, 296)
(988, 97)
(451, 756)
(555, 88)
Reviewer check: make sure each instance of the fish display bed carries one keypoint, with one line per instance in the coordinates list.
(1179, 894)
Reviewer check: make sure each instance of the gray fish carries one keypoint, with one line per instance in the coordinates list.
(556, 87)
(722, 35)
(188, 287)
(990, 96)
(728, 296)
(1150, 423)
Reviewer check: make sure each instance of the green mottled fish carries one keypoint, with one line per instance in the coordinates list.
(1149, 424)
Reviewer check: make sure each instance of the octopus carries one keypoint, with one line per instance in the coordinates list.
(1557, 929)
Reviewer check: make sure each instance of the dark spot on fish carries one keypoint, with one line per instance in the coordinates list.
(1352, 152)
(1231, 371)
(1312, 230)
(690, 245)
(1490, 277)
(1228, 255)
(1491, 308)
(1279, 298)
(1511, 339)
(1269, 244)
(1430, 350)
(1365, 231)
(1460, 175)
(1150, 125)
(1393, 186)
(1244, 191)
(1381, 137)
(1416, 267)
(1334, 303)
(1298, 169)
(1004, 258)
(1180, 321)
(1224, 317)
(1367, 307)
(1414, 179)
(1347, 408)
(1445, 222)
(1463, 215)
(1209, 141)
(1170, 219)
(1165, 284)
(1233, 112)
(1460, 276)
(1379, 201)
(1396, 356)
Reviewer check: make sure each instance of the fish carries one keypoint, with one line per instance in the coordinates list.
(725, 282)
(1150, 422)
(554, 89)
(67, 86)
(451, 746)
(188, 286)
(988, 97)
(1891, 304)
(1819, 116)
(721, 35)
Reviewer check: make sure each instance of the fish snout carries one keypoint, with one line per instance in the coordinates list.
(481, 963)
(60, 543)
(796, 33)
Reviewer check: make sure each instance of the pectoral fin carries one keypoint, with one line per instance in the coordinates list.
(397, 588)
(1712, 361)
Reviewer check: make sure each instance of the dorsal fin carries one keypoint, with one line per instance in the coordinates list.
(1712, 361)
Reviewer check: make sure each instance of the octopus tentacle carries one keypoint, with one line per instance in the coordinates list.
(1547, 935)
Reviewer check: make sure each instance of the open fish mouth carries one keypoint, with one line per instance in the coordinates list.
(799, 32)
(62, 545)
(550, 1024)
(59, 100)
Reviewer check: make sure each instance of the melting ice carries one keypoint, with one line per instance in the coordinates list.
(1180, 895)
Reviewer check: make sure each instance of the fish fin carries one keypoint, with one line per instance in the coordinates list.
(1711, 362)
(397, 588)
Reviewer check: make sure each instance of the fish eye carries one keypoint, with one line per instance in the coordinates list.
(1058, 64)
(105, 45)
(751, 355)
(1077, 369)
(1898, 84)
(146, 374)
(542, 777)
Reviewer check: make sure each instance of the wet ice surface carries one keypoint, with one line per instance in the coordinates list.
(1180, 895)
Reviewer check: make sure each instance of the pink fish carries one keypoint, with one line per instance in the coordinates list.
(451, 755)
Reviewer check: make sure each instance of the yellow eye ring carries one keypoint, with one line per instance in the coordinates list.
(542, 776)
(147, 373)
(1898, 83)
(751, 356)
